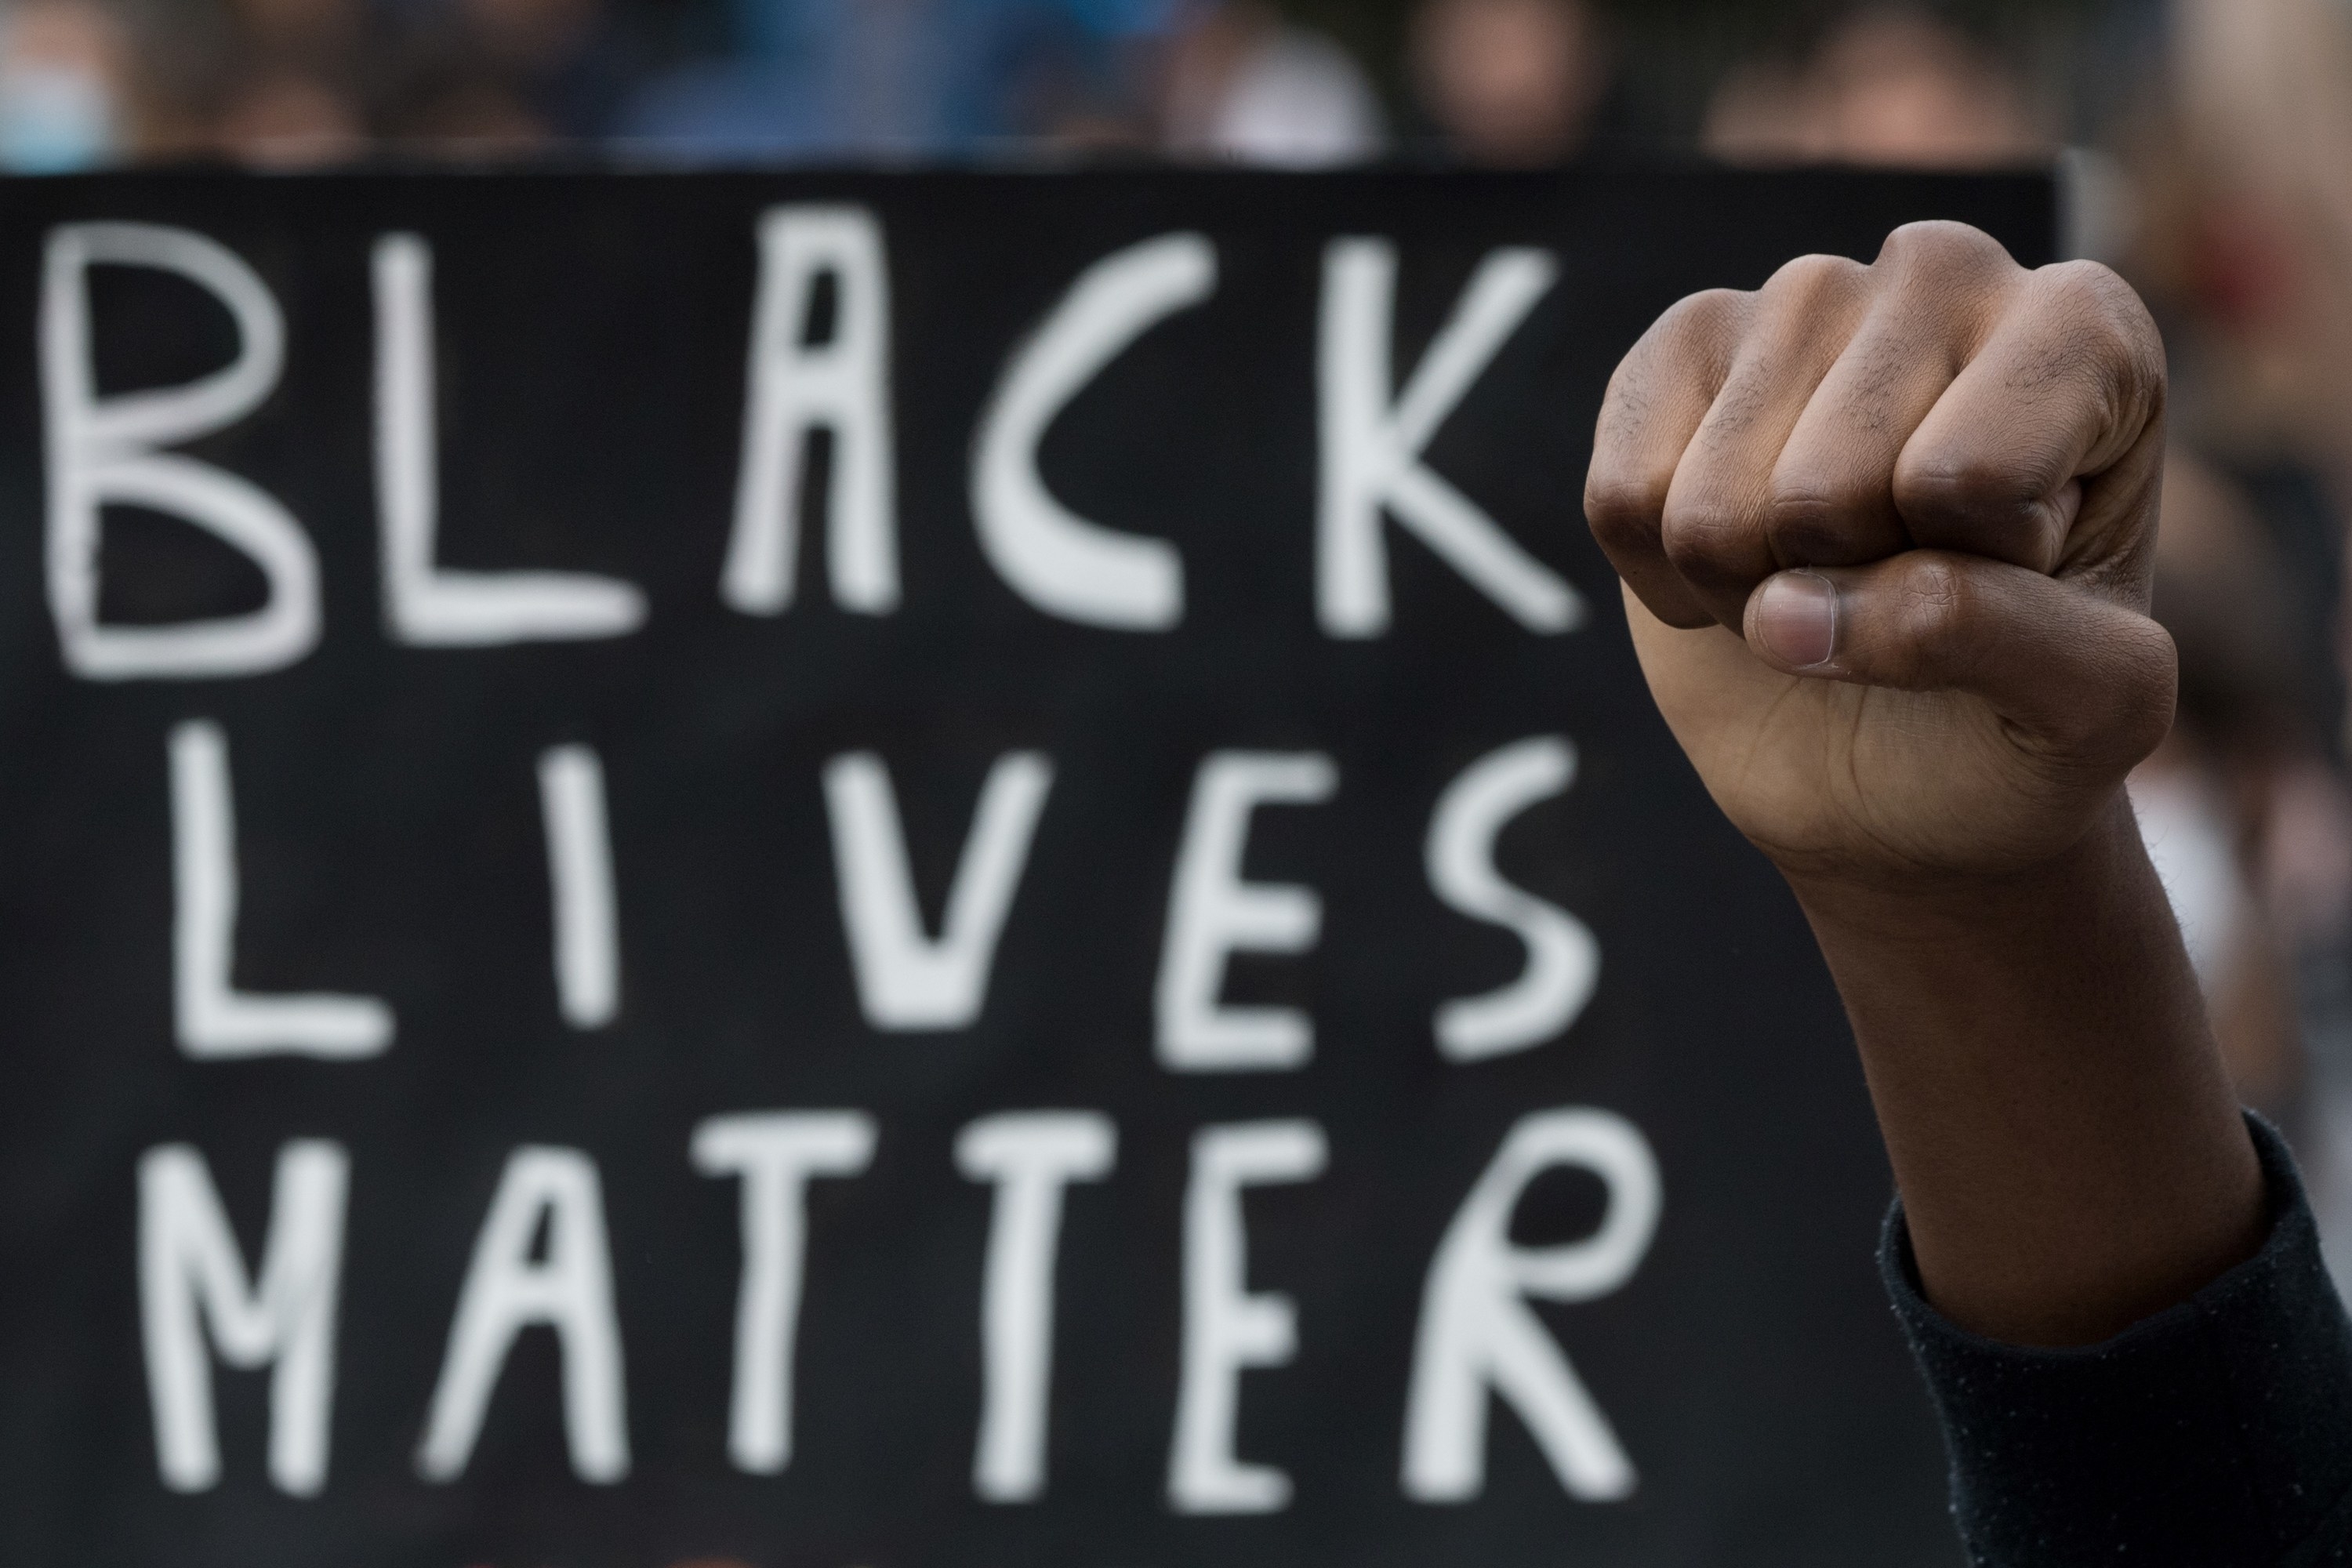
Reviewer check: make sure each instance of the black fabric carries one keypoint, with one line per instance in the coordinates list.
(2217, 1433)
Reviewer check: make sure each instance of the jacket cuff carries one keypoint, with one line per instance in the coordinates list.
(2217, 1431)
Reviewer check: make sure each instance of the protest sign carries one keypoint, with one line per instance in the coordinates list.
(897, 869)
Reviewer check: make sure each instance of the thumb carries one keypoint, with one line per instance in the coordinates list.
(2087, 681)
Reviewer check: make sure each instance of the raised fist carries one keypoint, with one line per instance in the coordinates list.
(1886, 535)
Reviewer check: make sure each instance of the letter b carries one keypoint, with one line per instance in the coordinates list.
(108, 451)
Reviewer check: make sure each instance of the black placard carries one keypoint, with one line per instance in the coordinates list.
(1367, 783)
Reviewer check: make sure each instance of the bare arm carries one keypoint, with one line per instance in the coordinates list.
(2069, 1151)
(1885, 534)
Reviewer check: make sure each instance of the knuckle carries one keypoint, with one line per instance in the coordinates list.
(1808, 279)
(1935, 591)
(1709, 312)
(1813, 517)
(2102, 322)
(1706, 540)
(1623, 508)
(2094, 286)
(1932, 620)
(1698, 332)
(2004, 500)
(1944, 251)
(1977, 486)
(1682, 359)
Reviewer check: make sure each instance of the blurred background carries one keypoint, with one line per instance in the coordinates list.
(2205, 148)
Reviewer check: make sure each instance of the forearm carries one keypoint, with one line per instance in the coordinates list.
(2069, 1150)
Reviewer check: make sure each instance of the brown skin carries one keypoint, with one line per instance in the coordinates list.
(1886, 535)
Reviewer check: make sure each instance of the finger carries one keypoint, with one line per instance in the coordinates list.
(1833, 501)
(2090, 682)
(1654, 404)
(1719, 509)
(2044, 448)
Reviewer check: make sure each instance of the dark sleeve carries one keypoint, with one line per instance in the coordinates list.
(2217, 1431)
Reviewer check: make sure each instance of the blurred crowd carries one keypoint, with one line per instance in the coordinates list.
(2206, 147)
(293, 83)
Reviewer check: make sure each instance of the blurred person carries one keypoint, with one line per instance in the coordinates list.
(509, 74)
(1510, 83)
(1244, 86)
(1889, 86)
(2240, 156)
(66, 88)
(2242, 163)
(452, 108)
(905, 77)
(2219, 801)
(809, 77)
(567, 59)
(2244, 168)
(294, 98)
(1066, 74)
(289, 120)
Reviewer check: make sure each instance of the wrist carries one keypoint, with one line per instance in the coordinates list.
(2067, 1144)
(1892, 905)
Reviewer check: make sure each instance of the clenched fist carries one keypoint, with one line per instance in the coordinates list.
(1885, 534)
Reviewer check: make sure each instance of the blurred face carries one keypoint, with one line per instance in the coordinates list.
(291, 123)
(1905, 91)
(61, 88)
(60, 33)
(1889, 88)
(1510, 81)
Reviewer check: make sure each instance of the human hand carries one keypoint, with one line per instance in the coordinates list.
(1885, 533)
